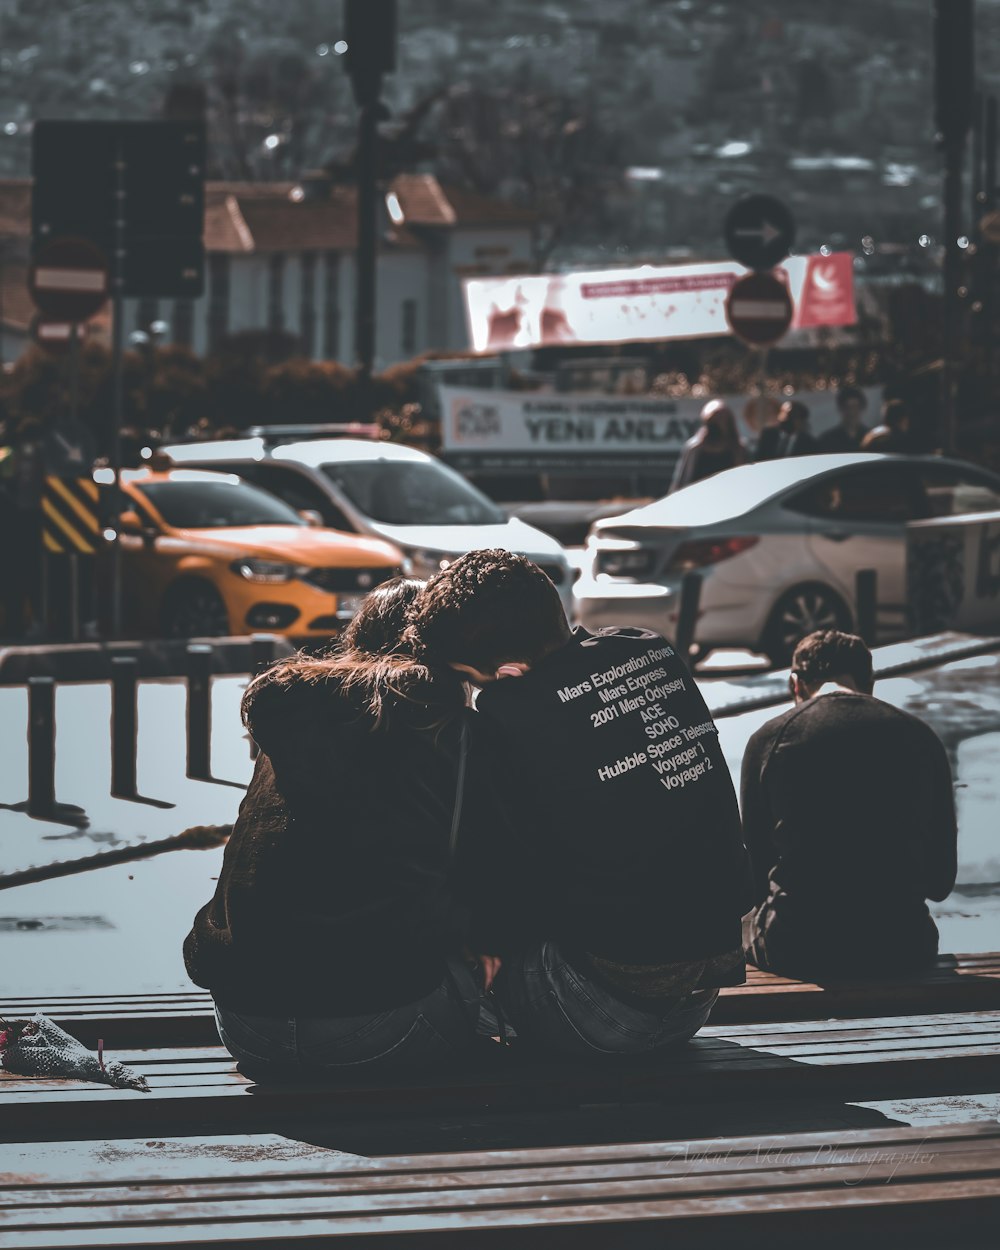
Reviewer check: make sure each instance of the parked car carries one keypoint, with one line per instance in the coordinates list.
(778, 546)
(206, 554)
(396, 493)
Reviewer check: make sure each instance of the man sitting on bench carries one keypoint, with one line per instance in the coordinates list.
(849, 818)
(613, 890)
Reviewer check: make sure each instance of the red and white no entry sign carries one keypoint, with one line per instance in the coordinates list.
(68, 280)
(759, 309)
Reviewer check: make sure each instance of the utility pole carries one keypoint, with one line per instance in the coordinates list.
(370, 33)
(954, 65)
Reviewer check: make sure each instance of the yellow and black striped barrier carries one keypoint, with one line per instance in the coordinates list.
(71, 521)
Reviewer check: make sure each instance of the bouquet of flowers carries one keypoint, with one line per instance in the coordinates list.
(37, 1047)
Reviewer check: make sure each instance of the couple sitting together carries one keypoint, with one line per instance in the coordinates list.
(471, 819)
(560, 856)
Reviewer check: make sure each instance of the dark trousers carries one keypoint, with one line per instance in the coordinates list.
(432, 1030)
(557, 1007)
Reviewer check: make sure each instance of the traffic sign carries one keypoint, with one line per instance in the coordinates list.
(759, 309)
(760, 231)
(55, 336)
(68, 280)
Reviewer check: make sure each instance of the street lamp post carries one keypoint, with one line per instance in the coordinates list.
(370, 31)
(953, 87)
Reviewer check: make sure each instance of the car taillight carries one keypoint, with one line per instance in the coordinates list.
(702, 551)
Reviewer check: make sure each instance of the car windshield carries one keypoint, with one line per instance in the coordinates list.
(412, 492)
(216, 505)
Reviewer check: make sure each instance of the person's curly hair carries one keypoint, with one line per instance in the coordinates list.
(369, 664)
(829, 653)
(489, 607)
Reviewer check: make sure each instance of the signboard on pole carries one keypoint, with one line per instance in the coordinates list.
(151, 175)
(543, 431)
(647, 303)
(759, 309)
(55, 336)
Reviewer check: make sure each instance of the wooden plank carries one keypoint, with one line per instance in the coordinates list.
(681, 1185)
(183, 1159)
(680, 1171)
(964, 982)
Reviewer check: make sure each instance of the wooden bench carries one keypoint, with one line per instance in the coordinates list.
(938, 1186)
(954, 983)
(197, 1088)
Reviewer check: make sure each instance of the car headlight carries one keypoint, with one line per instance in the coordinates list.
(255, 570)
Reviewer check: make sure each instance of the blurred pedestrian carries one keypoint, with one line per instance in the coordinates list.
(334, 942)
(849, 819)
(789, 436)
(847, 435)
(714, 447)
(892, 434)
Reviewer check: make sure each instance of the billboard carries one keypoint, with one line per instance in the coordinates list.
(539, 427)
(649, 303)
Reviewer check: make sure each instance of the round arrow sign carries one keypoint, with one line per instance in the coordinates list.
(760, 231)
(759, 309)
(68, 280)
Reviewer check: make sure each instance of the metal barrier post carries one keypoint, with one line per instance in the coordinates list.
(41, 746)
(866, 602)
(199, 711)
(687, 615)
(124, 671)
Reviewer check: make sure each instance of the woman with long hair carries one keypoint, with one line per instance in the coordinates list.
(333, 938)
(715, 446)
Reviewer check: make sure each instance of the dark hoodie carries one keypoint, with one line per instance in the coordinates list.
(334, 896)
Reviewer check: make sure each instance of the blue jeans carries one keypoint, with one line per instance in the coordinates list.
(556, 1007)
(429, 1031)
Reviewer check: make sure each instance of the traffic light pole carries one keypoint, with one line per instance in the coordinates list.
(952, 282)
(364, 328)
(117, 386)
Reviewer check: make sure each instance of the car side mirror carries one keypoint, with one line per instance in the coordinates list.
(312, 518)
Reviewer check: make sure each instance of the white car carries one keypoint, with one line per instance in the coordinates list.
(778, 546)
(385, 490)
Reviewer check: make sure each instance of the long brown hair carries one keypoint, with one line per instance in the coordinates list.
(370, 665)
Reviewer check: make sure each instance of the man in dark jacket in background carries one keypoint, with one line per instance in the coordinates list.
(849, 819)
(614, 892)
(847, 434)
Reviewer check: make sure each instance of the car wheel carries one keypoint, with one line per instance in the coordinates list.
(195, 610)
(799, 612)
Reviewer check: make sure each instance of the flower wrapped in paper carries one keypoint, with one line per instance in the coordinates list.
(38, 1047)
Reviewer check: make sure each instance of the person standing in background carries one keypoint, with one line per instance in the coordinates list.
(789, 436)
(849, 433)
(892, 435)
(716, 446)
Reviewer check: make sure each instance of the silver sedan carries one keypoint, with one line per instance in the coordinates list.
(778, 546)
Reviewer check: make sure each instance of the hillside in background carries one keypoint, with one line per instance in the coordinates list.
(629, 127)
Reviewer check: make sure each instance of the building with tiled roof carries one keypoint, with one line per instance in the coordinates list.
(280, 256)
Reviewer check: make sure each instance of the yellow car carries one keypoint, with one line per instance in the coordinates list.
(206, 554)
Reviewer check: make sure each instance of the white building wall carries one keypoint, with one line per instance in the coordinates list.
(403, 275)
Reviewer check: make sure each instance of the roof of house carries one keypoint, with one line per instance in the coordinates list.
(425, 202)
(244, 217)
